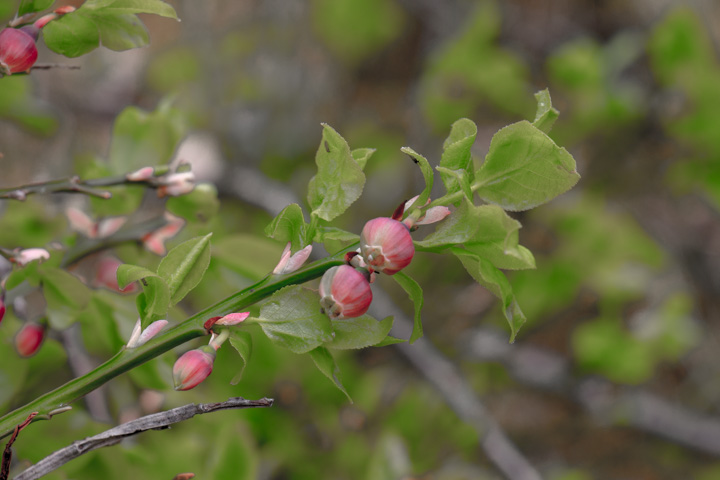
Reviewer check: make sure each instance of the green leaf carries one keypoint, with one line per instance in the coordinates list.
(292, 319)
(154, 301)
(389, 341)
(362, 155)
(462, 179)
(524, 168)
(124, 7)
(184, 266)
(324, 233)
(119, 32)
(427, 173)
(358, 332)
(200, 205)
(546, 114)
(325, 362)
(495, 281)
(71, 35)
(65, 295)
(459, 227)
(289, 226)
(457, 154)
(249, 255)
(415, 293)
(30, 6)
(339, 181)
(242, 343)
(29, 272)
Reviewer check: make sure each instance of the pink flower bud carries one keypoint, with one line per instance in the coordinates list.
(29, 338)
(193, 367)
(431, 215)
(106, 276)
(141, 175)
(2, 307)
(386, 245)
(288, 263)
(344, 292)
(23, 257)
(155, 241)
(176, 184)
(17, 51)
(140, 337)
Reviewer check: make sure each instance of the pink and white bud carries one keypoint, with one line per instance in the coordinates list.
(155, 241)
(232, 318)
(108, 226)
(431, 215)
(29, 339)
(344, 292)
(141, 175)
(386, 245)
(193, 367)
(288, 263)
(82, 223)
(18, 51)
(140, 337)
(176, 184)
(23, 257)
(106, 276)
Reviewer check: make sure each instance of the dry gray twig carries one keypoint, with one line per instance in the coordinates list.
(156, 421)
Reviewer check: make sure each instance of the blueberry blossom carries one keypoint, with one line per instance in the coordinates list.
(386, 245)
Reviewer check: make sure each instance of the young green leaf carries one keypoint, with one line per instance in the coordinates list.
(389, 341)
(495, 281)
(324, 233)
(546, 114)
(462, 178)
(154, 301)
(242, 343)
(292, 319)
(119, 32)
(415, 293)
(326, 364)
(458, 228)
(71, 35)
(457, 154)
(125, 7)
(249, 255)
(524, 168)
(362, 155)
(184, 266)
(339, 181)
(289, 226)
(30, 6)
(358, 332)
(427, 173)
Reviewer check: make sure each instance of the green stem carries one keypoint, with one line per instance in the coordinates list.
(191, 328)
(451, 198)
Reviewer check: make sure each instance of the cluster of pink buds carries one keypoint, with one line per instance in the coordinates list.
(29, 339)
(18, 51)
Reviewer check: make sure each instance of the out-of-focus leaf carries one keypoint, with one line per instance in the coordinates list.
(235, 456)
(414, 291)
(65, 296)
(292, 319)
(184, 266)
(524, 168)
(339, 181)
(362, 155)
(126, 7)
(242, 343)
(325, 362)
(249, 255)
(358, 332)
(200, 205)
(30, 6)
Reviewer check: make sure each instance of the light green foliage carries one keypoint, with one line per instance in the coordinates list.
(235, 456)
(154, 301)
(112, 23)
(354, 29)
(414, 291)
(362, 155)
(249, 255)
(292, 319)
(427, 174)
(200, 205)
(242, 343)
(18, 105)
(495, 281)
(325, 362)
(358, 332)
(339, 181)
(457, 164)
(184, 266)
(524, 168)
(546, 114)
(289, 226)
(471, 70)
(65, 295)
(30, 6)
(142, 139)
(173, 69)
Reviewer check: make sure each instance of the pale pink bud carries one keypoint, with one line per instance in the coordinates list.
(29, 338)
(64, 9)
(176, 184)
(431, 215)
(81, 222)
(18, 51)
(23, 257)
(145, 173)
(106, 276)
(155, 241)
(344, 292)
(288, 263)
(193, 367)
(140, 337)
(386, 245)
(108, 226)
(232, 318)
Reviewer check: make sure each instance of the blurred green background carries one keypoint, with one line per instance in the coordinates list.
(622, 310)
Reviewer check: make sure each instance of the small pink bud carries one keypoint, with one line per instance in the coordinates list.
(176, 184)
(23, 257)
(431, 215)
(155, 241)
(140, 337)
(64, 9)
(232, 318)
(18, 51)
(193, 367)
(344, 292)
(288, 263)
(145, 173)
(386, 245)
(2, 307)
(29, 338)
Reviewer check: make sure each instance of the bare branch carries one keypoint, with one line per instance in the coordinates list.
(113, 436)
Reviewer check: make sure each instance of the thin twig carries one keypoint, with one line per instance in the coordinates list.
(7, 453)
(156, 421)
